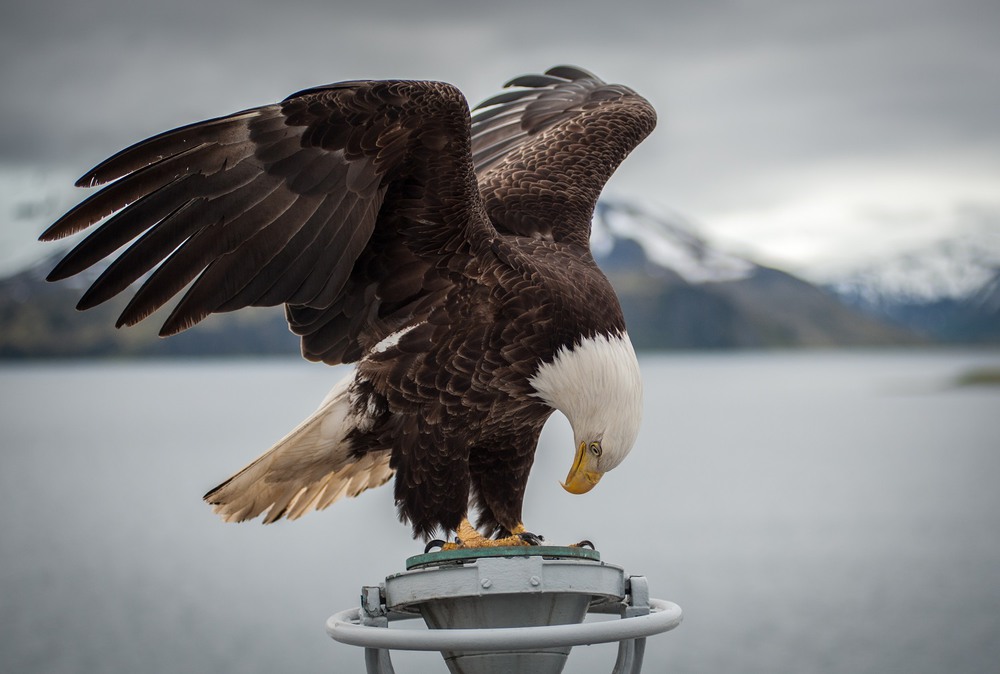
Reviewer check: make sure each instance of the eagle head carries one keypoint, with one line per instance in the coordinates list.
(596, 384)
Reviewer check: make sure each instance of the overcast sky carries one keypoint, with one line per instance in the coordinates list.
(803, 132)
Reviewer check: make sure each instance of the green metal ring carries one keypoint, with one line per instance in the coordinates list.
(460, 555)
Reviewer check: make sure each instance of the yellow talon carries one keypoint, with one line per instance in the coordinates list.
(469, 537)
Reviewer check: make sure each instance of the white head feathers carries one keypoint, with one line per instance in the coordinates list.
(597, 385)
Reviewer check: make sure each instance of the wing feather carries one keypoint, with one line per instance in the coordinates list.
(230, 274)
(234, 220)
(544, 150)
(136, 185)
(219, 131)
(141, 256)
(119, 230)
(276, 204)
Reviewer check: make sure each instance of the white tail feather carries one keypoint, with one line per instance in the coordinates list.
(309, 469)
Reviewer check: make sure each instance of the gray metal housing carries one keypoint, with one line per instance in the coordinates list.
(506, 610)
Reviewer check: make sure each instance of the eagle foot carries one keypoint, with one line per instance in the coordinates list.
(530, 538)
(479, 541)
(469, 538)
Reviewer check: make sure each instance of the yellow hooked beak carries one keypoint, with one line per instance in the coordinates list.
(583, 475)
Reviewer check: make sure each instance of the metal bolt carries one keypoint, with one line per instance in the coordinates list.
(486, 583)
(535, 581)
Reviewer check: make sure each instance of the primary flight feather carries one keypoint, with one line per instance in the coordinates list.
(447, 255)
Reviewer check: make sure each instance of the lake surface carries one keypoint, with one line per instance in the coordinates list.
(811, 512)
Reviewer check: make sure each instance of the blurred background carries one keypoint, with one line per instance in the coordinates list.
(807, 251)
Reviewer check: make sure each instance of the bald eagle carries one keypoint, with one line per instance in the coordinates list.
(445, 253)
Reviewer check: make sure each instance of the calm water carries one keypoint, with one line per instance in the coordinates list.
(831, 512)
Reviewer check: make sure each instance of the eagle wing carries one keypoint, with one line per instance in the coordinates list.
(544, 150)
(334, 202)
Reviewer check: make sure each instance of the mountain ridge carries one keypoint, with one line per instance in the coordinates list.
(947, 291)
(678, 291)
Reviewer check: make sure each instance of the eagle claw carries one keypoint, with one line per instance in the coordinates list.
(584, 544)
(436, 543)
(530, 538)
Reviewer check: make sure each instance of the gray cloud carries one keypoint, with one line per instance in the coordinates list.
(753, 96)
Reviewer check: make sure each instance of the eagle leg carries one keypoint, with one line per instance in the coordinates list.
(469, 537)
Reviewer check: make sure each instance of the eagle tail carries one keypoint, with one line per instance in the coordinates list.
(309, 469)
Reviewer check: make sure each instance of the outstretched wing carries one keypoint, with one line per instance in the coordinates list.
(544, 150)
(278, 204)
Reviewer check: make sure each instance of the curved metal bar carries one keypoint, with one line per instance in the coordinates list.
(346, 628)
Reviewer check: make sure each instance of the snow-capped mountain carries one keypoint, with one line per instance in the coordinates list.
(948, 291)
(952, 269)
(668, 240)
(679, 290)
